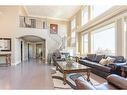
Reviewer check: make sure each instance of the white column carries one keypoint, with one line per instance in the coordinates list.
(126, 41)
(119, 37)
(89, 43)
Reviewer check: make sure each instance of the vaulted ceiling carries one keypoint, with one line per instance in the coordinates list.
(59, 12)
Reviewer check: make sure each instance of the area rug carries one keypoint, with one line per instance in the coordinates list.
(58, 82)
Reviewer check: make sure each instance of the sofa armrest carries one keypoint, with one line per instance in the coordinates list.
(124, 60)
(117, 81)
(83, 85)
(112, 66)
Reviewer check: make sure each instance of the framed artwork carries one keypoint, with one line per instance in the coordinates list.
(5, 44)
(53, 28)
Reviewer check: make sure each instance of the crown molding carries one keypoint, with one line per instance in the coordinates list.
(26, 10)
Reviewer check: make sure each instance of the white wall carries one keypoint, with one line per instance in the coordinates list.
(9, 25)
(51, 45)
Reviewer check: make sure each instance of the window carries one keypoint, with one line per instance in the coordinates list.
(73, 39)
(104, 40)
(85, 43)
(85, 15)
(98, 10)
(73, 23)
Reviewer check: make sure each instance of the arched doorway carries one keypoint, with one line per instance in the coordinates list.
(33, 47)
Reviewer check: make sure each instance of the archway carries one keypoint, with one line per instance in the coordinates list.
(32, 47)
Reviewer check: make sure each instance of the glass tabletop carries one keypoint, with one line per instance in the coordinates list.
(71, 66)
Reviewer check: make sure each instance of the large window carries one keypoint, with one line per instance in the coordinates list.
(85, 15)
(98, 10)
(104, 40)
(73, 24)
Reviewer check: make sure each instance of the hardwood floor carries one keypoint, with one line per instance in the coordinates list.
(26, 76)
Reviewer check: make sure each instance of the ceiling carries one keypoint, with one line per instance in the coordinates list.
(32, 39)
(58, 12)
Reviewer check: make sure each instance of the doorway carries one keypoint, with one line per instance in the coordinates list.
(34, 48)
(39, 52)
(30, 51)
(21, 51)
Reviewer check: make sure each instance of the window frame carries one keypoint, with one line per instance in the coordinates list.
(125, 38)
(83, 13)
(84, 42)
(73, 23)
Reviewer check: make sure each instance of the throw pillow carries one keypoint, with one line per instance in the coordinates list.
(110, 60)
(103, 61)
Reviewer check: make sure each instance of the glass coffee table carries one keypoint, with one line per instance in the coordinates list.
(75, 67)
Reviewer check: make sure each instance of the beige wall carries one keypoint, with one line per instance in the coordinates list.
(8, 19)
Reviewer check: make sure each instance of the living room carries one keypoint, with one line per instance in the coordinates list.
(63, 47)
(97, 38)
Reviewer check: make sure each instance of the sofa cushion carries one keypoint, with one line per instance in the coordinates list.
(117, 81)
(98, 58)
(118, 59)
(91, 57)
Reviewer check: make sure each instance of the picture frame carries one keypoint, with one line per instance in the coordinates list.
(54, 28)
(5, 44)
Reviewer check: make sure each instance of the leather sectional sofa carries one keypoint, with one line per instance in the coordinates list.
(114, 82)
(92, 60)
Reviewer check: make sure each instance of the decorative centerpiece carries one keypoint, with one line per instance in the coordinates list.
(69, 61)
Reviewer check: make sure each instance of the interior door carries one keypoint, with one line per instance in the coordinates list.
(21, 51)
(39, 52)
(30, 51)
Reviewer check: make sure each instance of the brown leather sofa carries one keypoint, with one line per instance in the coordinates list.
(92, 60)
(114, 82)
